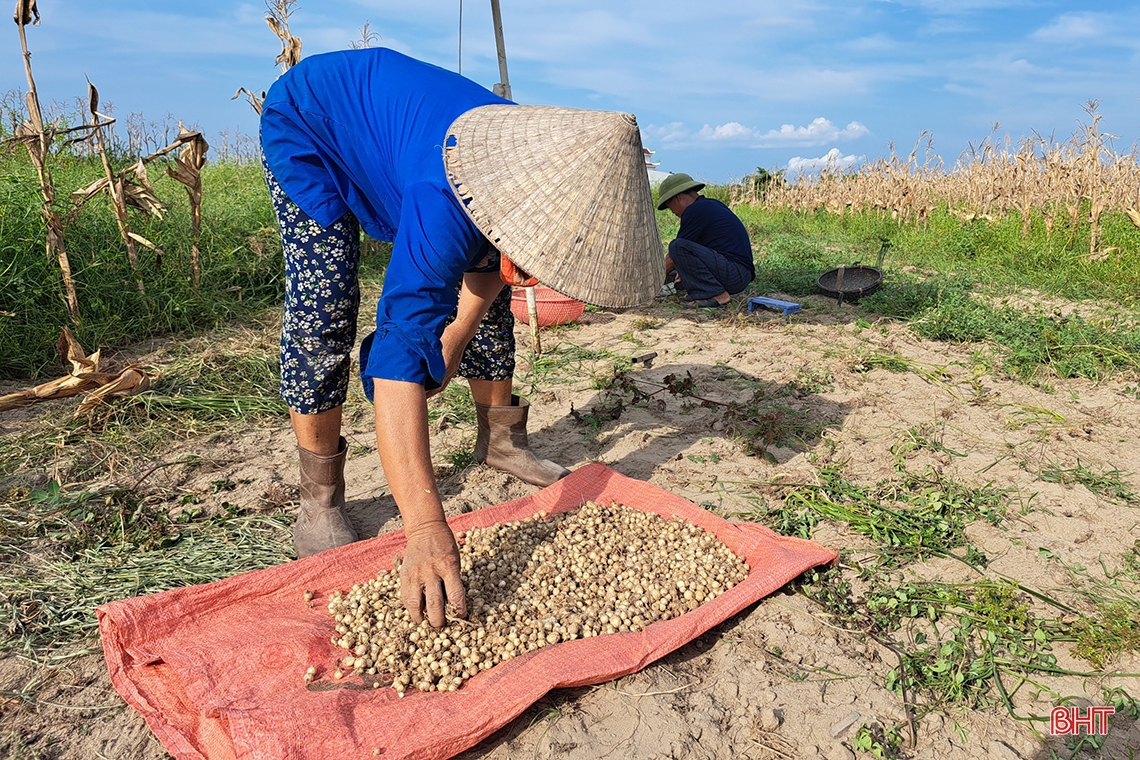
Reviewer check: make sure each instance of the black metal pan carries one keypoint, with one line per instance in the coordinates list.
(850, 283)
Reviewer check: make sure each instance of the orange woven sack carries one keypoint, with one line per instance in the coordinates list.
(217, 670)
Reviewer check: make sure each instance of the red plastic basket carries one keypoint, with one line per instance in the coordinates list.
(553, 307)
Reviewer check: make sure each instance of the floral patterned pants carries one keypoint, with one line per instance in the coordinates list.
(322, 298)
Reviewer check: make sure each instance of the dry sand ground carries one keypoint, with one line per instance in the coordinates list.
(779, 680)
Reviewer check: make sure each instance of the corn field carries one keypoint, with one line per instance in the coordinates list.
(1074, 182)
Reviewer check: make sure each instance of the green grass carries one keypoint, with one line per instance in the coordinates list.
(454, 406)
(1070, 346)
(62, 554)
(563, 363)
(1109, 483)
(200, 386)
(910, 517)
(241, 264)
(950, 280)
(993, 253)
(974, 644)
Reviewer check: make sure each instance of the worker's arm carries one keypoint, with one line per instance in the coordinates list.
(429, 575)
(476, 296)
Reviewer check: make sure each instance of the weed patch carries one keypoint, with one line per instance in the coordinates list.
(970, 644)
(763, 422)
(202, 386)
(973, 644)
(241, 272)
(1112, 629)
(1109, 483)
(768, 418)
(564, 363)
(910, 517)
(76, 521)
(114, 545)
(454, 406)
(924, 437)
(1110, 623)
(1068, 345)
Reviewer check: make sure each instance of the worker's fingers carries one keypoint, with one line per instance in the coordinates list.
(430, 564)
(412, 595)
(434, 603)
(456, 595)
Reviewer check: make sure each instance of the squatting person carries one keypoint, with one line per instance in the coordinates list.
(711, 258)
(474, 192)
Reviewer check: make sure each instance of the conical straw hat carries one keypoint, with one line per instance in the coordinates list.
(564, 194)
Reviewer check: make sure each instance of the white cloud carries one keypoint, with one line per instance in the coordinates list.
(733, 130)
(669, 133)
(819, 132)
(875, 43)
(833, 160)
(1074, 29)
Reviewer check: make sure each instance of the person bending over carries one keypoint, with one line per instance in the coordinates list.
(457, 178)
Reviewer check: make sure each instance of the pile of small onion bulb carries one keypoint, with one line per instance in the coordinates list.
(593, 571)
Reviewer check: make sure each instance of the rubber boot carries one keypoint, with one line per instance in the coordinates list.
(502, 443)
(322, 523)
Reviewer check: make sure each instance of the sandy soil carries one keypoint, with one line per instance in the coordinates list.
(780, 680)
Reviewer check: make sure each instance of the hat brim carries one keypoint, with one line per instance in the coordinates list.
(564, 194)
(674, 192)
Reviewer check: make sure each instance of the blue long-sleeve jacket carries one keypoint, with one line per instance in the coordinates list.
(363, 131)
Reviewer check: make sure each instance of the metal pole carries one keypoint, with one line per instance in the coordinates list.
(532, 317)
(503, 88)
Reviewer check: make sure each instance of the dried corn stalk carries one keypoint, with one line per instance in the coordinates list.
(37, 140)
(277, 17)
(84, 376)
(368, 37)
(255, 101)
(129, 187)
(187, 169)
(278, 20)
(128, 382)
(1036, 178)
(1091, 165)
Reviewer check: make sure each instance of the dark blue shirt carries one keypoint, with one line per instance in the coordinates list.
(363, 131)
(712, 224)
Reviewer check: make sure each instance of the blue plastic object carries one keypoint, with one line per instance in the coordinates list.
(773, 303)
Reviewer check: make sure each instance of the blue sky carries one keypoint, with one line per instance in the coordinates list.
(719, 88)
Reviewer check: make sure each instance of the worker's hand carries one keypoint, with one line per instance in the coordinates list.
(430, 585)
(454, 344)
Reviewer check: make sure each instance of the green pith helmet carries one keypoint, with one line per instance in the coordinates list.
(675, 184)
